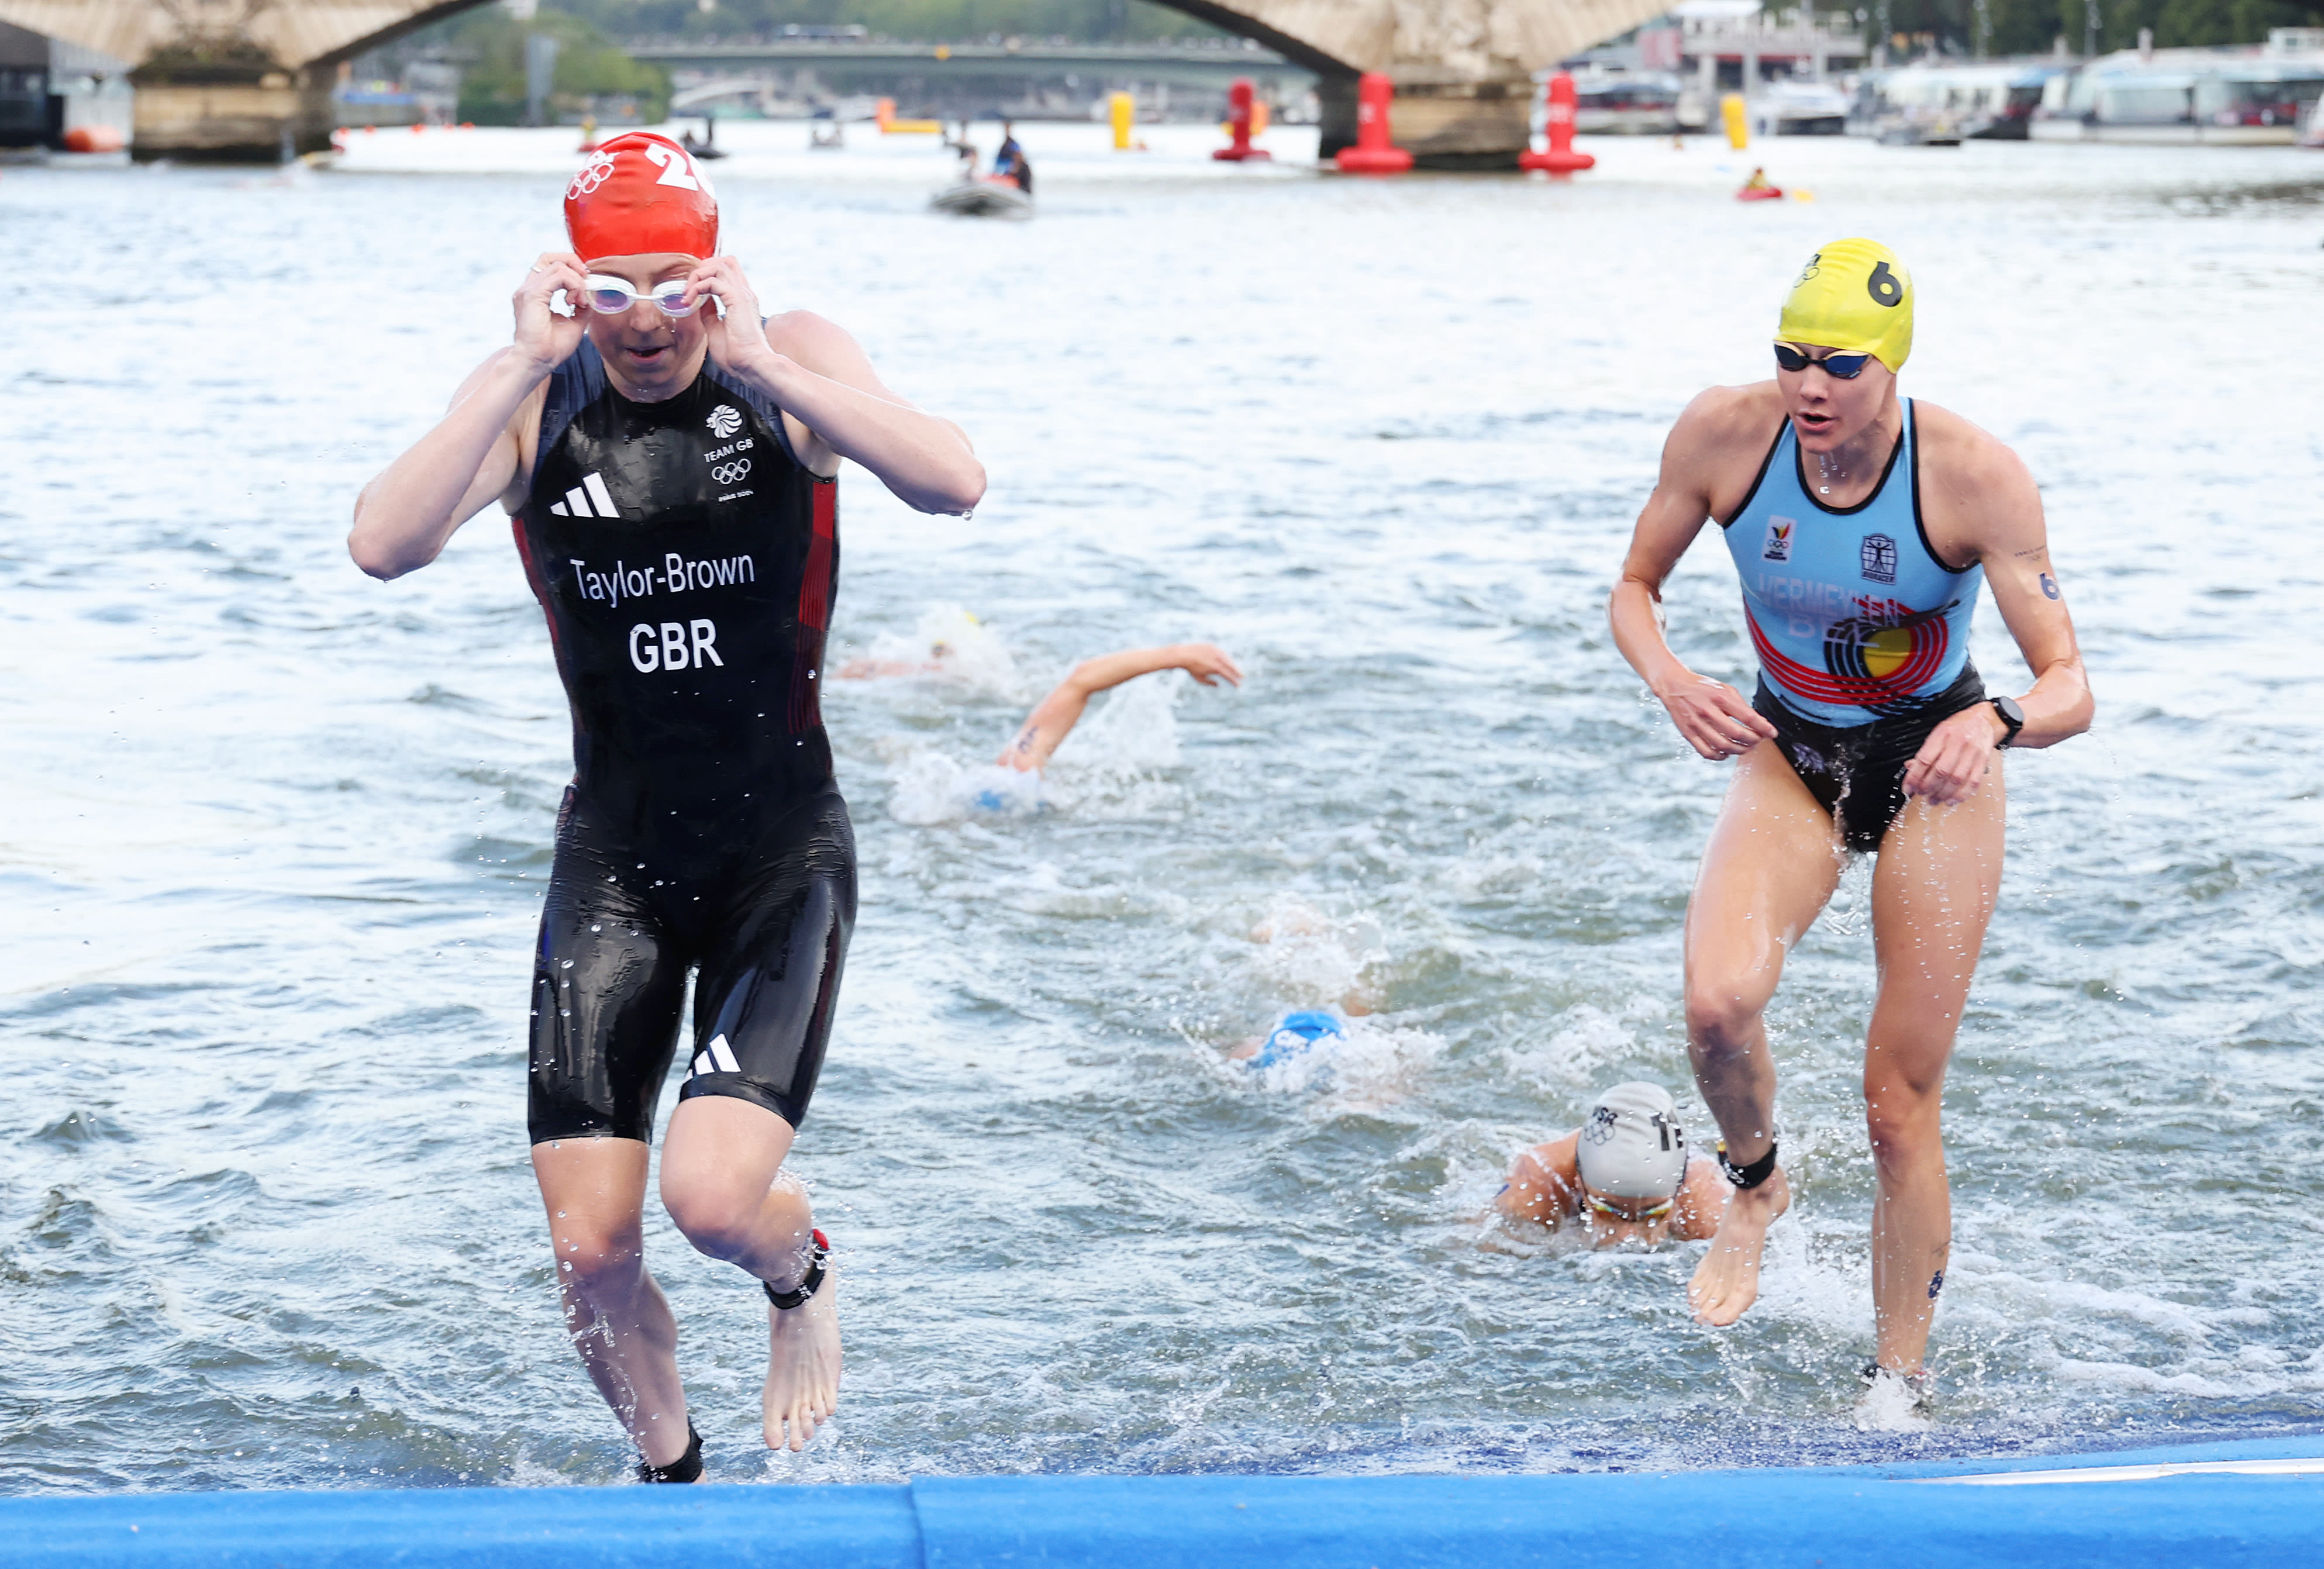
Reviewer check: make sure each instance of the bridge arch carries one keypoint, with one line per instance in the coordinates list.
(1462, 67)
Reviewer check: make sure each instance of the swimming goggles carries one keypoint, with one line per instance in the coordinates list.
(1633, 1216)
(1845, 367)
(610, 296)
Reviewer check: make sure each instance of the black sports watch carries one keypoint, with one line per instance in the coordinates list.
(2012, 715)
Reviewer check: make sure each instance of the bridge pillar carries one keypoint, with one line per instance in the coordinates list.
(234, 107)
(1443, 122)
(1450, 123)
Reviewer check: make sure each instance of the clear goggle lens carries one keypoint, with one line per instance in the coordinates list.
(611, 296)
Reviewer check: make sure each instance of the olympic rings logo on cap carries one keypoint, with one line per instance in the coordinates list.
(600, 167)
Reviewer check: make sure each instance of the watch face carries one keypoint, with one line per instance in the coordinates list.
(2010, 711)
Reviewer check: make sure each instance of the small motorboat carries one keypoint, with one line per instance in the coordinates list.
(708, 146)
(989, 198)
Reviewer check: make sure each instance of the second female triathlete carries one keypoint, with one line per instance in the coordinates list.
(1861, 525)
(669, 464)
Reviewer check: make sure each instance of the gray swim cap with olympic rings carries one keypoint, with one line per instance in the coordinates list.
(1631, 1144)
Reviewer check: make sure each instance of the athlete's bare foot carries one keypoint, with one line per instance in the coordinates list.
(1726, 1282)
(802, 1365)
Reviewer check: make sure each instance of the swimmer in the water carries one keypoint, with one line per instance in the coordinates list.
(670, 462)
(955, 636)
(1626, 1175)
(1294, 1035)
(1047, 727)
(1861, 525)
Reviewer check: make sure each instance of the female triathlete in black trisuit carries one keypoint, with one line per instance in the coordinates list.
(670, 471)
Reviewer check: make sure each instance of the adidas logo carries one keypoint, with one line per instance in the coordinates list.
(589, 499)
(717, 1058)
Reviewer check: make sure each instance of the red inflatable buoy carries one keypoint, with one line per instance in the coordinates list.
(1560, 158)
(1239, 101)
(1373, 152)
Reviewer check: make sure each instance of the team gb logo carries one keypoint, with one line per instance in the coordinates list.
(724, 422)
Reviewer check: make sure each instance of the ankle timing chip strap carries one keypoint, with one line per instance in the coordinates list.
(685, 1468)
(1748, 1177)
(815, 1263)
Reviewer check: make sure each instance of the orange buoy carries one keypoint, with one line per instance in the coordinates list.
(1374, 152)
(1239, 125)
(93, 139)
(1559, 106)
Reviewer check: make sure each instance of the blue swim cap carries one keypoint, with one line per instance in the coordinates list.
(1293, 1034)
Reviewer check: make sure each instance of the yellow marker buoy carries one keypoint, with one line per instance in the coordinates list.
(1736, 120)
(884, 115)
(1123, 109)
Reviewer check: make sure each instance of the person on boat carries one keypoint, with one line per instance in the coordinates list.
(1758, 181)
(965, 150)
(669, 456)
(1626, 1175)
(1862, 526)
(1009, 163)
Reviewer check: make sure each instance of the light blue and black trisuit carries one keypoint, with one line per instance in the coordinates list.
(1862, 631)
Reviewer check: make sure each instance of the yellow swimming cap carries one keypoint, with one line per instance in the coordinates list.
(1853, 295)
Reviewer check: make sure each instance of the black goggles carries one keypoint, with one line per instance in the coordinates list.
(1845, 367)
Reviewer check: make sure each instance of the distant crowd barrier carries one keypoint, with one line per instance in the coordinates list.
(2213, 1506)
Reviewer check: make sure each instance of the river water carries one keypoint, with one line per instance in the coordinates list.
(272, 836)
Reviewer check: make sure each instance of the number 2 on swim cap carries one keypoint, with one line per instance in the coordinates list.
(1883, 286)
(671, 172)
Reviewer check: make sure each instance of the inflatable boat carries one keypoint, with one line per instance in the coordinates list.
(983, 198)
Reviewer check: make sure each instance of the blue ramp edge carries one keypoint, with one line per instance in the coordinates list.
(1888, 1517)
(668, 1527)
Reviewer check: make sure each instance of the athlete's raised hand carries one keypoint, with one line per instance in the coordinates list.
(544, 336)
(1956, 758)
(737, 324)
(1717, 720)
(1208, 663)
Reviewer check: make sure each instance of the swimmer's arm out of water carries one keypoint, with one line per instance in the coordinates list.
(404, 517)
(1544, 1184)
(1709, 462)
(1047, 727)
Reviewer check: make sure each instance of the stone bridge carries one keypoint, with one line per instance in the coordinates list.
(252, 79)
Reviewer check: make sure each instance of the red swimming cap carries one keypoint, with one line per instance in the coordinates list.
(641, 194)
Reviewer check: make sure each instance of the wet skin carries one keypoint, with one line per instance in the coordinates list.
(722, 1169)
(1545, 1187)
(1775, 856)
